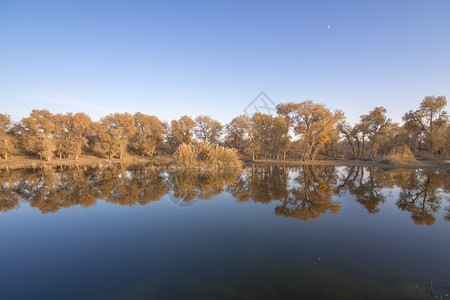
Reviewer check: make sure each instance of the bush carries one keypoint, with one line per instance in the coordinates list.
(206, 155)
(402, 155)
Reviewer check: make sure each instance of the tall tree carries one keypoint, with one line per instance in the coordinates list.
(430, 120)
(208, 129)
(5, 137)
(267, 133)
(350, 135)
(114, 133)
(78, 127)
(149, 133)
(286, 111)
(315, 124)
(71, 131)
(375, 124)
(37, 133)
(181, 131)
(236, 133)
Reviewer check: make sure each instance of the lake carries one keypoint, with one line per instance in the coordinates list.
(268, 232)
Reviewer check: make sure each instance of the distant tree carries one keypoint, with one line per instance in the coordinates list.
(267, 134)
(78, 127)
(37, 133)
(149, 133)
(180, 131)
(316, 126)
(286, 111)
(59, 121)
(5, 136)
(393, 138)
(207, 129)
(372, 129)
(375, 125)
(430, 122)
(351, 136)
(71, 131)
(236, 133)
(114, 133)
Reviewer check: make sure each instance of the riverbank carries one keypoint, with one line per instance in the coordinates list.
(21, 162)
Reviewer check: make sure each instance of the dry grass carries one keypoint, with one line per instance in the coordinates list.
(25, 162)
(403, 155)
(206, 156)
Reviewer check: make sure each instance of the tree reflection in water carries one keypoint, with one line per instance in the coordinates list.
(312, 195)
(305, 192)
(202, 185)
(422, 196)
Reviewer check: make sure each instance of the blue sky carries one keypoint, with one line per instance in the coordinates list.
(171, 58)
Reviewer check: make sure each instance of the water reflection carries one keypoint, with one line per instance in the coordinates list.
(304, 193)
(194, 184)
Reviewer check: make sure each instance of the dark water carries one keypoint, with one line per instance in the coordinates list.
(269, 232)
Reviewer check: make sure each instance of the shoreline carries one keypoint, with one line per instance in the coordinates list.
(20, 162)
(427, 165)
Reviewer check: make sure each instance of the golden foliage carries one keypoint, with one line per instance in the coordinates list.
(402, 156)
(206, 156)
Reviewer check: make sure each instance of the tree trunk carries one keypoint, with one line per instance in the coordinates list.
(371, 150)
(363, 146)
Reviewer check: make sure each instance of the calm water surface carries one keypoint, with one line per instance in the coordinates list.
(269, 232)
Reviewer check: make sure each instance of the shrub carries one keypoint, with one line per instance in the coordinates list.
(206, 155)
(402, 155)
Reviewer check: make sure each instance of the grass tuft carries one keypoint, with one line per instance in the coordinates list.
(206, 156)
(402, 155)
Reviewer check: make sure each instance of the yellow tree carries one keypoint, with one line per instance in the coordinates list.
(350, 134)
(375, 124)
(5, 137)
(180, 131)
(267, 134)
(236, 133)
(71, 132)
(208, 129)
(149, 133)
(78, 126)
(315, 124)
(430, 120)
(37, 133)
(286, 111)
(113, 134)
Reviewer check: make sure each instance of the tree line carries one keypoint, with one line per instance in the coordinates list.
(303, 130)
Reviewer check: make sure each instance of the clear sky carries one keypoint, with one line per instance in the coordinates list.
(170, 58)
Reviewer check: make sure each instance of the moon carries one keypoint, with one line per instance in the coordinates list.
(328, 26)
